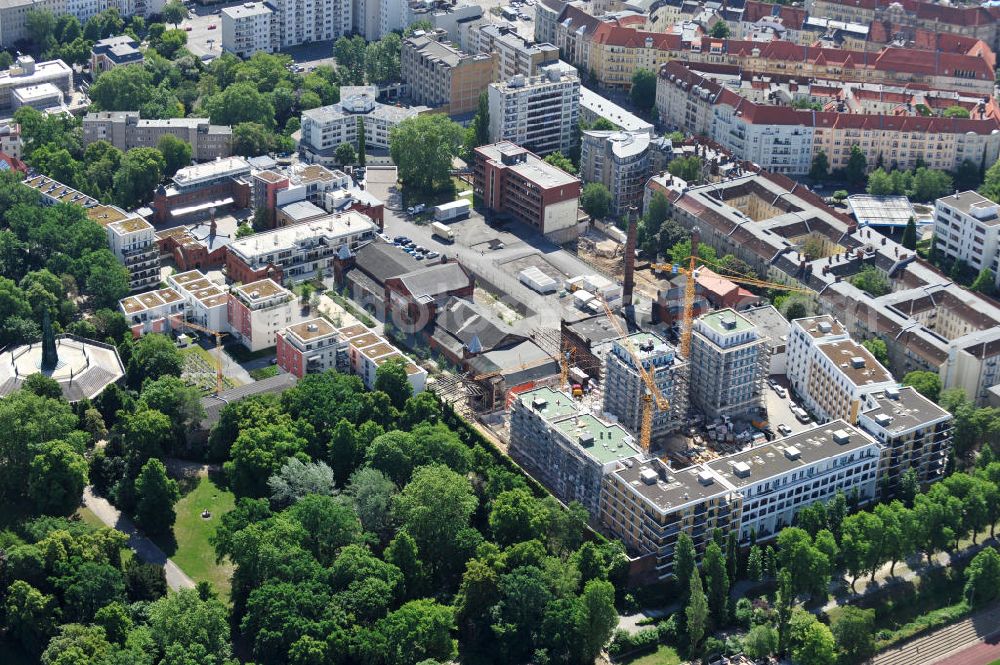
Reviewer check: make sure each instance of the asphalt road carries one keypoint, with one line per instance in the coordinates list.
(143, 547)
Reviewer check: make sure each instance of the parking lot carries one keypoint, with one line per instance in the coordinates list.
(779, 409)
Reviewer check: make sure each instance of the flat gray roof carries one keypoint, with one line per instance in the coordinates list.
(967, 201)
(907, 408)
(671, 489)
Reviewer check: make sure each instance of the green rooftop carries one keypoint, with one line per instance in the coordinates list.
(557, 404)
(606, 443)
(726, 321)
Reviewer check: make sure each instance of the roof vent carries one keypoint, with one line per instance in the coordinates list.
(892, 392)
(706, 478)
(729, 322)
(586, 439)
(741, 469)
(312, 327)
(841, 436)
(824, 327)
(539, 403)
(793, 453)
(857, 362)
(883, 419)
(648, 476)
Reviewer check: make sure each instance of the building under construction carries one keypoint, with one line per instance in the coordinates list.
(624, 387)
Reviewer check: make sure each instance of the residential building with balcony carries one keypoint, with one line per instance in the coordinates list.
(967, 228)
(308, 347)
(441, 76)
(515, 55)
(367, 351)
(624, 387)
(915, 432)
(152, 312)
(539, 113)
(249, 29)
(126, 130)
(133, 241)
(830, 371)
(113, 52)
(621, 161)
(207, 302)
(729, 366)
(779, 478)
(515, 182)
(565, 449)
(258, 311)
(307, 21)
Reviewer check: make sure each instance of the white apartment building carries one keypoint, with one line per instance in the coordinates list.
(967, 228)
(258, 311)
(729, 364)
(620, 160)
(207, 302)
(306, 21)
(13, 13)
(133, 241)
(326, 127)
(515, 54)
(25, 73)
(367, 351)
(151, 312)
(247, 29)
(624, 387)
(538, 113)
(777, 479)
(830, 371)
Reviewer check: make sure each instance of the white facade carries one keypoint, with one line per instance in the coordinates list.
(830, 371)
(258, 311)
(538, 113)
(247, 29)
(206, 301)
(306, 21)
(133, 242)
(967, 228)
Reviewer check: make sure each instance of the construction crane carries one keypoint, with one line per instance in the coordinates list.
(690, 287)
(218, 347)
(652, 393)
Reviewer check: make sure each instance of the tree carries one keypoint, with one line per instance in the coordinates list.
(31, 616)
(857, 164)
(927, 384)
(403, 553)
(240, 102)
(595, 200)
(880, 183)
(258, 453)
(156, 495)
(817, 646)
(930, 184)
(956, 111)
(423, 148)
(78, 644)
(984, 282)
(862, 545)
(686, 168)
(184, 619)
(57, 478)
(153, 355)
(122, 89)
(755, 564)
(909, 240)
(435, 506)
(516, 517)
(871, 281)
(88, 587)
(696, 612)
(596, 617)
(643, 91)
(991, 183)
(176, 153)
(350, 55)
(391, 378)
(560, 161)
(362, 144)
(373, 494)
(174, 12)
(345, 154)
(28, 421)
(479, 131)
(713, 566)
(138, 175)
(820, 168)
(720, 30)
(108, 281)
(144, 581)
(330, 524)
(295, 479)
(418, 630)
(761, 642)
(854, 632)
(176, 400)
(876, 346)
(43, 386)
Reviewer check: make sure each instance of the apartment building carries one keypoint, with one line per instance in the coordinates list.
(367, 351)
(537, 112)
(515, 55)
(915, 433)
(248, 29)
(967, 228)
(307, 21)
(11, 143)
(440, 75)
(647, 505)
(612, 49)
(298, 252)
(624, 387)
(621, 161)
(26, 73)
(133, 242)
(326, 127)
(126, 130)
(207, 303)
(729, 365)
(114, 52)
(830, 371)
(777, 479)
(151, 312)
(311, 346)
(13, 13)
(594, 106)
(783, 139)
(567, 450)
(199, 188)
(258, 311)
(515, 182)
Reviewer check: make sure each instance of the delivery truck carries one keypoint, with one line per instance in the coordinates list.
(447, 212)
(442, 231)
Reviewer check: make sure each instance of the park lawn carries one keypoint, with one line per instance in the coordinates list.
(194, 554)
(663, 655)
(88, 516)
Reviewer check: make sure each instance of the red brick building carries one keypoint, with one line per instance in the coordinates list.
(515, 182)
(414, 299)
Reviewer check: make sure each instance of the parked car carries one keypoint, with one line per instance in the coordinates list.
(418, 257)
(211, 26)
(780, 392)
(432, 255)
(784, 429)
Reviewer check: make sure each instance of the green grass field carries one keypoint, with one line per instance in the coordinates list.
(663, 655)
(192, 552)
(88, 516)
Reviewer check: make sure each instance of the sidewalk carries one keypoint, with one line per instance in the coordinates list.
(143, 547)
